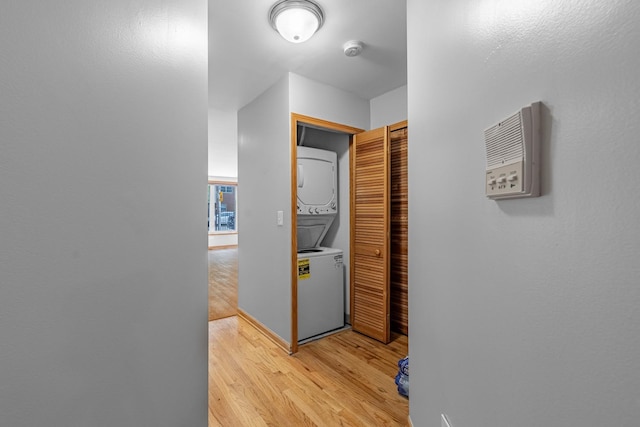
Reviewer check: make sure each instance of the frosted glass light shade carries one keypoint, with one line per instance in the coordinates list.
(296, 20)
(296, 25)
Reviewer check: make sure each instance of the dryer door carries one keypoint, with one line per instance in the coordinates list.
(316, 186)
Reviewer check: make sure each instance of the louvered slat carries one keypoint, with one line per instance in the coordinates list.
(399, 268)
(371, 299)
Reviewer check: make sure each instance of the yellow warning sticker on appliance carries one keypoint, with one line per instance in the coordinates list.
(304, 272)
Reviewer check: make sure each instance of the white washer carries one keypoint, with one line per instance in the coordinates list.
(320, 291)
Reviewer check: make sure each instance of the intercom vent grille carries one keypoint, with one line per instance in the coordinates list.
(505, 141)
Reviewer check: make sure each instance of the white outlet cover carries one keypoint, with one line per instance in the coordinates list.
(445, 421)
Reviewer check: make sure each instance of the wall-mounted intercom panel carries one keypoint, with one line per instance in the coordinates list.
(513, 155)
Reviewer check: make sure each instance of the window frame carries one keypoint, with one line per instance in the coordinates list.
(214, 182)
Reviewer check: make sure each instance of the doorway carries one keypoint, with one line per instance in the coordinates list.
(305, 122)
(396, 280)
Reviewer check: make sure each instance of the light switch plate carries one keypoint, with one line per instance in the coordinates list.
(445, 421)
(280, 220)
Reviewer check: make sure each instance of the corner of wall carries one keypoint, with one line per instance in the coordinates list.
(264, 290)
(388, 108)
(311, 98)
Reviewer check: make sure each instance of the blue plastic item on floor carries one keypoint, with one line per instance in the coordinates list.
(402, 379)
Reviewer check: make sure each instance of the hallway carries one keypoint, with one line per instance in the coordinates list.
(223, 283)
(345, 379)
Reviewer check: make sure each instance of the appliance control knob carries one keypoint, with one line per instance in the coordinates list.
(317, 210)
(310, 210)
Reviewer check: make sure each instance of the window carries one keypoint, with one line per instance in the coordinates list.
(222, 207)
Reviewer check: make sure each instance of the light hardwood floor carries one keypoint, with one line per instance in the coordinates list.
(223, 283)
(342, 380)
(345, 379)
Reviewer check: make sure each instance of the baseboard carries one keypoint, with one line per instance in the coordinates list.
(222, 247)
(265, 331)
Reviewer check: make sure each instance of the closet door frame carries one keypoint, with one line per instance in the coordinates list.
(399, 282)
(295, 120)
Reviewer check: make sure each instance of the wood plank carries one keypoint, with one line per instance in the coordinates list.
(370, 301)
(265, 331)
(223, 283)
(345, 379)
(399, 274)
(293, 161)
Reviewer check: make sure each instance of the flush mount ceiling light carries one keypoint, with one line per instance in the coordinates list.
(296, 20)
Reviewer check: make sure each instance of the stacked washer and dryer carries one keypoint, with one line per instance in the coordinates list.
(320, 269)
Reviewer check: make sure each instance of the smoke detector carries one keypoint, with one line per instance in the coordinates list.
(353, 48)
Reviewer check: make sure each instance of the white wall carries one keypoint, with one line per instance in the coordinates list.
(221, 241)
(102, 322)
(525, 312)
(223, 158)
(389, 108)
(223, 143)
(321, 101)
(264, 187)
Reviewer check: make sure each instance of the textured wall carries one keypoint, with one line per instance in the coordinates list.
(264, 177)
(389, 108)
(321, 101)
(103, 266)
(223, 158)
(223, 143)
(525, 312)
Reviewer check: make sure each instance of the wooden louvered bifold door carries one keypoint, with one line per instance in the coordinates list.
(399, 232)
(370, 222)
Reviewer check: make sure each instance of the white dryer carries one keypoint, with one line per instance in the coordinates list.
(317, 195)
(317, 181)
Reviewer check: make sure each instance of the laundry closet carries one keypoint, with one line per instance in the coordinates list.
(322, 211)
(329, 235)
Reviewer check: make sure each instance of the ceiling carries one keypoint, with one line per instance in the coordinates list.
(246, 56)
